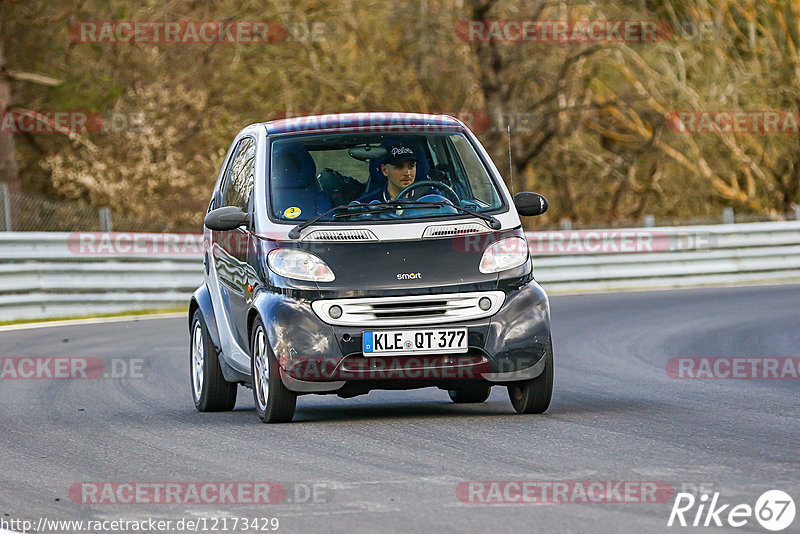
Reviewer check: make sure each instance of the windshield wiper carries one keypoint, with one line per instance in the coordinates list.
(295, 232)
(392, 205)
(494, 224)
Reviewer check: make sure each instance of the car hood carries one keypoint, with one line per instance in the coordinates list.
(430, 264)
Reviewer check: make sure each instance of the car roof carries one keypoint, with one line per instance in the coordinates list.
(379, 120)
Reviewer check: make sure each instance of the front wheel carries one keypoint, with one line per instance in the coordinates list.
(274, 403)
(210, 391)
(533, 396)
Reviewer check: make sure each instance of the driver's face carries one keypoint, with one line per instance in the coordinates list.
(399, 176)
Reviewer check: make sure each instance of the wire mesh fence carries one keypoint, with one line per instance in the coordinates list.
(24, 212)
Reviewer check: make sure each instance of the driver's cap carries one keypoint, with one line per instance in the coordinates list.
(398, 153)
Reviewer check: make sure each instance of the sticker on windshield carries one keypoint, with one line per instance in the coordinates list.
(291, 213)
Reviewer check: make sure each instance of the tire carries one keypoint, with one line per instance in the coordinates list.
(274, 403)
(469, 396)
(210, 391)
(533, 396)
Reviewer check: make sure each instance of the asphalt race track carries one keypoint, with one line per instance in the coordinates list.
(392, 461)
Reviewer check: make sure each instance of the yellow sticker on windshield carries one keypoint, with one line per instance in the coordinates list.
(291, 213)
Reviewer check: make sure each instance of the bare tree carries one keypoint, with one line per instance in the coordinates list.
(9, 171)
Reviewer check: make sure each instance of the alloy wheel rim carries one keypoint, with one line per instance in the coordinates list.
(198, 358)
(261, 361)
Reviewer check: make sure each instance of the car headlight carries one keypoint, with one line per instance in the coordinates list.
(299, 264)
(505, 254)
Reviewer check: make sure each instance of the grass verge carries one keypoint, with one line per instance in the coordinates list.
(98, 315)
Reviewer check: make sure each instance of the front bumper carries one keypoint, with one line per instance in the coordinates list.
(316, 357)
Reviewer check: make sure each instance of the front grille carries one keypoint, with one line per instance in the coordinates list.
(402, 309)
(409, 310)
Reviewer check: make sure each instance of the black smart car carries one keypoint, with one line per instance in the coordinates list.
(365, 251)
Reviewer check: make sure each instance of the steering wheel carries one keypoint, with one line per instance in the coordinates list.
(430, 183)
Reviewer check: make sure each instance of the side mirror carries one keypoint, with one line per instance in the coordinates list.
(226, 218)
(530, 204)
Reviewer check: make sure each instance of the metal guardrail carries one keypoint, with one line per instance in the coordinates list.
(48, 274)
(71, 274)
(667, 257)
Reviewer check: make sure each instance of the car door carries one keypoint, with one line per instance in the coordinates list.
(232, 246)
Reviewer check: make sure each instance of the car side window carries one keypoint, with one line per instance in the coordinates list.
(217, 200)
(240, 181)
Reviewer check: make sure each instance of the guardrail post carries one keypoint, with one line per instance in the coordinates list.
(727, 216)
(6, 203)
(797, 212)
(105, 219)
(649, 221)
(566, 224)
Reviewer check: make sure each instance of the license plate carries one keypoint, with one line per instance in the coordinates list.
(415, 341)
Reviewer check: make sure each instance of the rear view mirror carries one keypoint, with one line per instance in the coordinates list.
(226, 218)
(529, 204)
(367, 152)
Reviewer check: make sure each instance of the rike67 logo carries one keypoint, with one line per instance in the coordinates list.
(774, 510)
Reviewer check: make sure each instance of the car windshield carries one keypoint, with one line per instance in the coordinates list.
(311, 174)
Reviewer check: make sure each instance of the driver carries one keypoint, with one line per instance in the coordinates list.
(400, 169)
